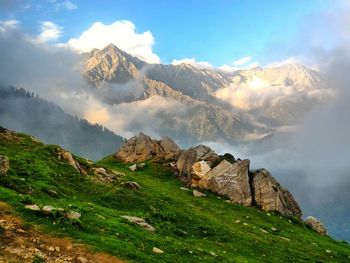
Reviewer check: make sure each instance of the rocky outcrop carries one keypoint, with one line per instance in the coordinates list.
(142, 147)
(4, 165)
(271, 196)
(225, 175)
(193, 155)
(316, 225)
(232, 181)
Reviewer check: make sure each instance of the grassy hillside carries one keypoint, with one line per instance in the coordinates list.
(188, 229)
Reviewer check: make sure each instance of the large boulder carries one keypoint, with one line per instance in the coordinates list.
(4, 165)
(141, 148)
(193, 155)
(232, 181)
(217, 170)
(316, 225)
(271, 196)
(200, 169)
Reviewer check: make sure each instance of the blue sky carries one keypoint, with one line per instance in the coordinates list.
(219, 32)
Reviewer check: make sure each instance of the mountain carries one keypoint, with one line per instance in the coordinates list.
(274, 96)
(25, 112)
(143, 216)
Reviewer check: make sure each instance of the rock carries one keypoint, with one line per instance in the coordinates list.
(32, 207)
(213, 254)
(4, 165)
(133, 167)
(140, 221)
(131, 185)
(316, 225)
(270, 196)
(105, 175)
(141, 165)
(200, 169)
(204, 153)
(184, 189)
(232, 181)
(141, 148)
(73, 215)
(228, 157)
(219, 169)
(47, 209)
(157, 250)
(67, 156)
(81, 259)
(198, 194)
(185, 162)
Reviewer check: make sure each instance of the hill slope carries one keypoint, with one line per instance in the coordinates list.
(190, 229)
(25, 112)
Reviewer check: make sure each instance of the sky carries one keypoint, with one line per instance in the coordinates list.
(221, 33)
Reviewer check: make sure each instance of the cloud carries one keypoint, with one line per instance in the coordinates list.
(49, 32)
(8, 25)
(66, 4)
(193, 62)
(242, 61)
(120, 33)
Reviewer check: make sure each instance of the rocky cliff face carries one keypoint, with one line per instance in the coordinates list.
(201, 167)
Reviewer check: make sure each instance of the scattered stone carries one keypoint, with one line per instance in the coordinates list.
(245, 224)
(238, 221)
(141, 165)
(32, 207)
(184, 189)
(140, 221)
(213, 254)
(19, 230)
(264, 231)
(4, 165)
(228, 201)
(51, 249)
(198, 194)
(47, 209)
(284, 238)
(133, 167)
(81, 259)
(328, 251)
(316, 225)
(73, 215)
(131, 185)
(157, 250)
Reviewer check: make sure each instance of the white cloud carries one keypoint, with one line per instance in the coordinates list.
(49, 32)
(193, 62)
(66, 4)
(120, 33)
(8, 25)
(242, 61)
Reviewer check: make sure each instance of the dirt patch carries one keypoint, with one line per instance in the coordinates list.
(19, 243)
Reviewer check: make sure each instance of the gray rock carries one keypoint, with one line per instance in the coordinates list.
(72, 215)
(198, 194)
(131, 185)
(232, 181)
(316, 225)
(133, 167)
(4, 165)
(140, 221)
(271, 196)
(141, 148)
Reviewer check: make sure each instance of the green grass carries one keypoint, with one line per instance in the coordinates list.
(188, 229)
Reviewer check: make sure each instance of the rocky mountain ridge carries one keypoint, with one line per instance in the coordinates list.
(206, 95)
